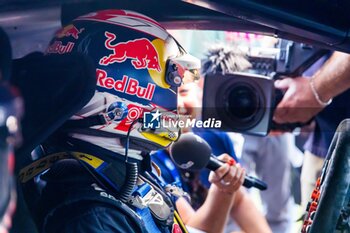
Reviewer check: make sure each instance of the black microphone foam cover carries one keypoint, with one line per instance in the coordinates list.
(193, 153)
(190, 152)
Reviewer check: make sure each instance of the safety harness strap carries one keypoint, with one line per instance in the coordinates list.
(85, 122)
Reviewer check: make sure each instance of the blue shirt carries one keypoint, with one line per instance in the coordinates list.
(220, 143)
(327, 122)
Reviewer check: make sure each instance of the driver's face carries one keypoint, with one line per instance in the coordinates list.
(189, 99)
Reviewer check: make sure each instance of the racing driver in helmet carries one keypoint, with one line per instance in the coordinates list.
(103, 179)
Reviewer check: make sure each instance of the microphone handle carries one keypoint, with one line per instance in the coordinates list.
(249, 181)
(214, 163)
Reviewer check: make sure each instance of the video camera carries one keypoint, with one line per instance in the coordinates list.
(245, 102)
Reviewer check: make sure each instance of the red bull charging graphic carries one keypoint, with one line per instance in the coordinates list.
(68, 31)
(142, 53)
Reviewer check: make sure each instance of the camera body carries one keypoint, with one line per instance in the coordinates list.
(245, 102)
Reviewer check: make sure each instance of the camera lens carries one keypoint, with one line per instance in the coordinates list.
(242, 102)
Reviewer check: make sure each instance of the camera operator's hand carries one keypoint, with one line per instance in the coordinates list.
(299, 104)
(228, 178)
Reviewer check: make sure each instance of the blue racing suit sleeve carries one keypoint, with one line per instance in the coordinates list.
(91, 218)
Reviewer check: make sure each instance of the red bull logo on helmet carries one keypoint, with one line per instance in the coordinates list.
(142, 53)
(126, 85)
(68, 31)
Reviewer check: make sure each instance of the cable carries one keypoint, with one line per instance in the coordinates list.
(128, 139)
(131, 170)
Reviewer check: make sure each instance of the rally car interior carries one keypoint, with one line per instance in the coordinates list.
(54, 87)
(59, 74)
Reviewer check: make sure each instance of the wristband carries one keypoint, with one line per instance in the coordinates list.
(317, 96)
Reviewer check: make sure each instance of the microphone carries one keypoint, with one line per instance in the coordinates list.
(249, 181)
(193, 153)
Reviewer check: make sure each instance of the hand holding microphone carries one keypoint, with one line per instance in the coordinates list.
(191, 152)
(229, 177)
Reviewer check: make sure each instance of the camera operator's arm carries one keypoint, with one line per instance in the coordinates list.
(304, 97)
(211, 217)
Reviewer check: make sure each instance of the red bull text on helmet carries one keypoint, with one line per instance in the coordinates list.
(126, 85)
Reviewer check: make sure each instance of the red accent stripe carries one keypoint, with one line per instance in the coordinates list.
(11, 162)
(109, 14)
(115, 23)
